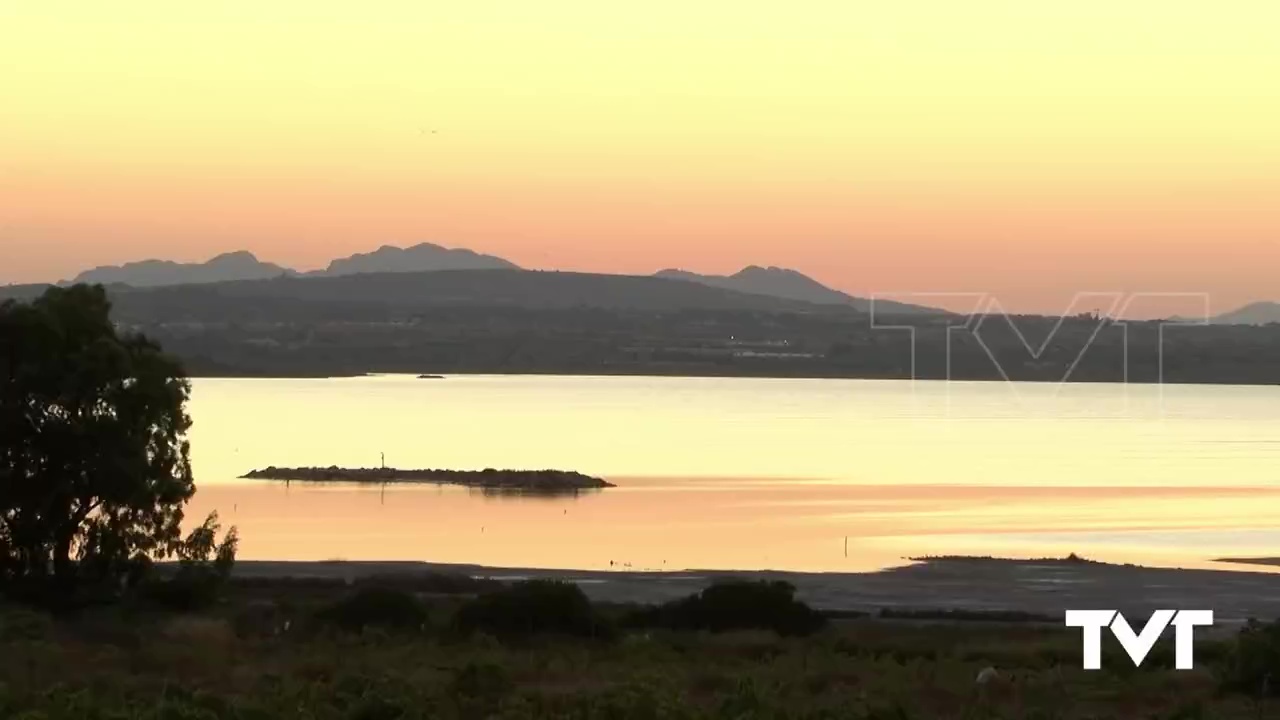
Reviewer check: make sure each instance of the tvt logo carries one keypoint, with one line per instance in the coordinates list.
(1137, 645)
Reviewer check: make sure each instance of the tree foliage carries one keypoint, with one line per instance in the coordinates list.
(203, 568)
(94, 458)
(736, 605)
(383, 607)
(533, 607)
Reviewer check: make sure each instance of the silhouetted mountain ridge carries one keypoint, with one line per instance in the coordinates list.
(1258, 313)
(774, 282)
(423, 257)
(792, 285)
(244, 265)
(238, 265)
(401, 294)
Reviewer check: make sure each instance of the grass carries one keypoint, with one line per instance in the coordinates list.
(238, 662)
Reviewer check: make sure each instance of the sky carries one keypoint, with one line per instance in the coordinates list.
(1024, 150)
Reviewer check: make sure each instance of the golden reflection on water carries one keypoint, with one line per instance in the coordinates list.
(747, 474)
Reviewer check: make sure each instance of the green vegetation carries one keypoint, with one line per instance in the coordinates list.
(1254, 665)
(261, 652)
(736, 605)
(203, 569)
(375, 607)
(533, 607)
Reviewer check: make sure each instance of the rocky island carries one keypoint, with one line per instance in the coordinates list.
(533, 481)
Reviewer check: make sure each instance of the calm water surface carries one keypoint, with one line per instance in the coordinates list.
(748, 473)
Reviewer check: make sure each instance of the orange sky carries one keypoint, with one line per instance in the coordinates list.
(1029, 150)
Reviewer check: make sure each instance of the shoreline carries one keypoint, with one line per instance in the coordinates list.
(1041, 587)
(684, 373)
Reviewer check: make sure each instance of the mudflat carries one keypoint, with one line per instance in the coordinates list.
(1042, 587)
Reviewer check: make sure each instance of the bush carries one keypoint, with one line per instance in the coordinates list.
(187, 589)
(1253, 666)
(736, 605)
(380, 607)
(204, 568)
(532, 607)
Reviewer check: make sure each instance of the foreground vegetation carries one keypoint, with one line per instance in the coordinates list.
(426, 648)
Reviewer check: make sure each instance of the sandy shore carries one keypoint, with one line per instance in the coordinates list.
(1042, 587)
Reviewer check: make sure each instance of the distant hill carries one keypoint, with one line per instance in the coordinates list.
(21, 292)
(1259, 313)
(785, 283)
(424, 257)
(241, 265)
(401, 294)
(772, 282)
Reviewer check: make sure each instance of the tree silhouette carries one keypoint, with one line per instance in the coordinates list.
(94, 467)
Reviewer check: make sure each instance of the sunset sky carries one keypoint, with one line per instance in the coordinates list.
(1025, 149)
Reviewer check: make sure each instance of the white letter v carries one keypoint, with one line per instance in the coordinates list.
(1139, 645)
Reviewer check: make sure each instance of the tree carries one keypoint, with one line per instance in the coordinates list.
(94, 459)
(204, 565)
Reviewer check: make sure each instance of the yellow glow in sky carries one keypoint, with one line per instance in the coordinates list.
(923, 145)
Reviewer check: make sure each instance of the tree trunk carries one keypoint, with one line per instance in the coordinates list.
(63, 569)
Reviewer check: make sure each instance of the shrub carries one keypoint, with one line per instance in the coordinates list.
(1253, 666)
(187, 589)
(532, 607)
(375, 607)
(736, 605)
(203, 570)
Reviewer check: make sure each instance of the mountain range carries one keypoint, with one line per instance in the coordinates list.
(1259, 313)
(243, 265)
(423, 257)
(774, 282)
(791, 285)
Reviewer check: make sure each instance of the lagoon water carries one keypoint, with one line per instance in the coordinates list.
(824, 475)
